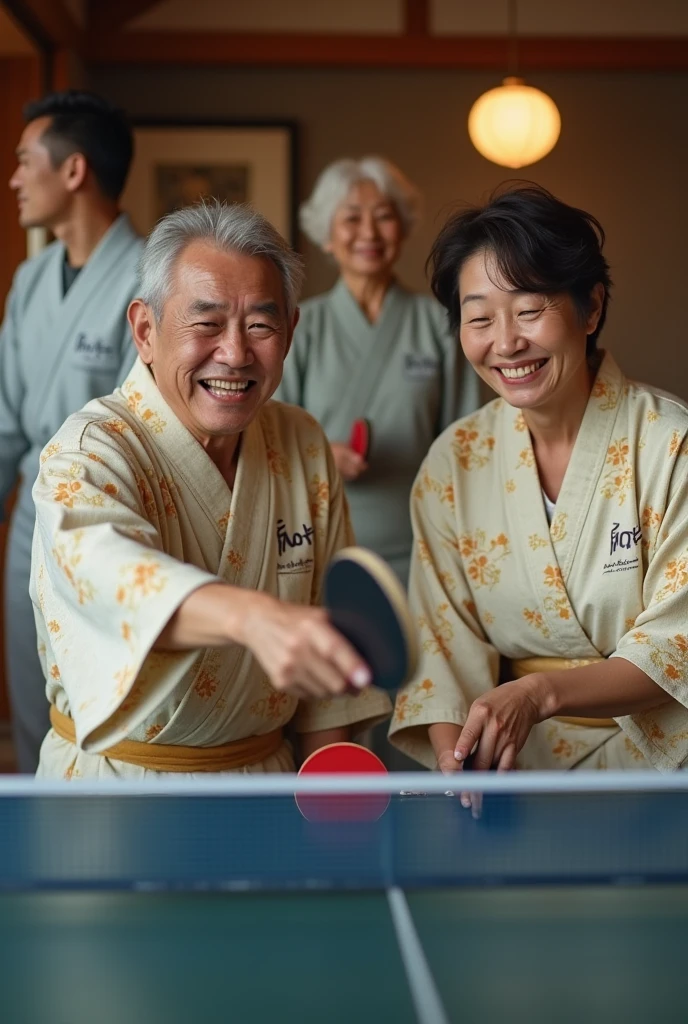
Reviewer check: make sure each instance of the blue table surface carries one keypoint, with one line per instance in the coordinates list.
(163, 908)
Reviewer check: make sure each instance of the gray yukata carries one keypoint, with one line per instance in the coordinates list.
(405, 374)
(57, 352)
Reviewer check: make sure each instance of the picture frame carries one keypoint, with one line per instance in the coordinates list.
(177, 162)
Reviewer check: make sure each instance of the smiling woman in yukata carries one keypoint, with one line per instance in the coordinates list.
(371, 349)
(550, 528)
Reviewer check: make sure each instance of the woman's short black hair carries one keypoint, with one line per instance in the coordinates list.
(539, 244)
(81, 122)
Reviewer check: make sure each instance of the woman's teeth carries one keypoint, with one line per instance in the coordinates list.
(521, 371)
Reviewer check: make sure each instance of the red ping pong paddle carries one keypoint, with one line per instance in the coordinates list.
(342, 759)
(359, 439)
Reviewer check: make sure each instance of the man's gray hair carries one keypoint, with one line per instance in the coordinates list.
(230, 228)
(337, 180)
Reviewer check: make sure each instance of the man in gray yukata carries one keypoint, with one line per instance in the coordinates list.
(64, 339)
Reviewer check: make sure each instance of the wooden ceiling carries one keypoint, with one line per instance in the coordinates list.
(571, 35)
(13, 42)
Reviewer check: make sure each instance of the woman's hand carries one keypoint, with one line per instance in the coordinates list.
(499, 723)
(302, 653)
(349, 463)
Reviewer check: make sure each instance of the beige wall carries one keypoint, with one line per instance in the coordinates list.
(623, 154)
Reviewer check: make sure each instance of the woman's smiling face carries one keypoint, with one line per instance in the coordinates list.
(529, 347)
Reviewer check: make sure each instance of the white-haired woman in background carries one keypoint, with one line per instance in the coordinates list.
(372, 349)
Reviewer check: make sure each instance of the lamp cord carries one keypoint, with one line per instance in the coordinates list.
(512, 20)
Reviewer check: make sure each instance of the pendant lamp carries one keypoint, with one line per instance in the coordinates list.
(515, 124)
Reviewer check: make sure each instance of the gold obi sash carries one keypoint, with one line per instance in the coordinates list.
(161, 757)
(524, 666)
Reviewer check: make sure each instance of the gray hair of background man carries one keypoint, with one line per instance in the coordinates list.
(231, 228)
(337, 180)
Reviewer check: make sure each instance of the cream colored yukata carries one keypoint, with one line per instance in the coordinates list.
(607, 578)
(132, 517)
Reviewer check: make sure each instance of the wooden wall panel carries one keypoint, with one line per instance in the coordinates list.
(20, 81)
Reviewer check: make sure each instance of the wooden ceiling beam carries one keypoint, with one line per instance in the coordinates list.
(112, 15)
(416, 17)
(488, 53)
(48, 22)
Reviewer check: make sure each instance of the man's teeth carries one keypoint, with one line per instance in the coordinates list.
(226, 385)
(521, 371)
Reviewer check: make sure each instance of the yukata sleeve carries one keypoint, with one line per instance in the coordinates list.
(361, 710)
(658, 641)
(103, 588)
(456, 662)
(13, 441)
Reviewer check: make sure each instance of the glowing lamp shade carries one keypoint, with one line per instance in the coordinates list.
(514, 124)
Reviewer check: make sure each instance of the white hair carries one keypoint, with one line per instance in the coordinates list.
(335, 183)
(230, 228)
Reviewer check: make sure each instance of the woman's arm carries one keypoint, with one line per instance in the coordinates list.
(499, 722)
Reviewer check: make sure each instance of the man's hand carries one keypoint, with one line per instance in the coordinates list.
(302, 653)
(349, 463)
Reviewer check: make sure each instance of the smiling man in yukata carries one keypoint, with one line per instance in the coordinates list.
(183, 526)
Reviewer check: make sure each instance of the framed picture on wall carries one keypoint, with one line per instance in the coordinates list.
(177, 163)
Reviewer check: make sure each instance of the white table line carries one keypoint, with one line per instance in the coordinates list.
(426, 998)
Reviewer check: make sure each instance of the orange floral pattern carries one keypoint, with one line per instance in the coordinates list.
(480, 557)
(558, 606)
(142, 580)
(441, 632)
(153, 420)
(526, 459)
(675, 444)
(166, 495)
(534, 618)
(557, 530)
(278, 462)
(52, 449)
(206, 684)
(472, 449)
(236, 559)
(272, 706)
(115, 426)
(428, 485)
(676, 576)
(552, 577)
(410, 703)
(68, 557)
(607, 393)
(617, 481)
(650, 521)
(150, 507)
(670, 656)
(319, 496)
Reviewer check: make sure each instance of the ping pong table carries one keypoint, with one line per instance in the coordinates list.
(217, 901)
